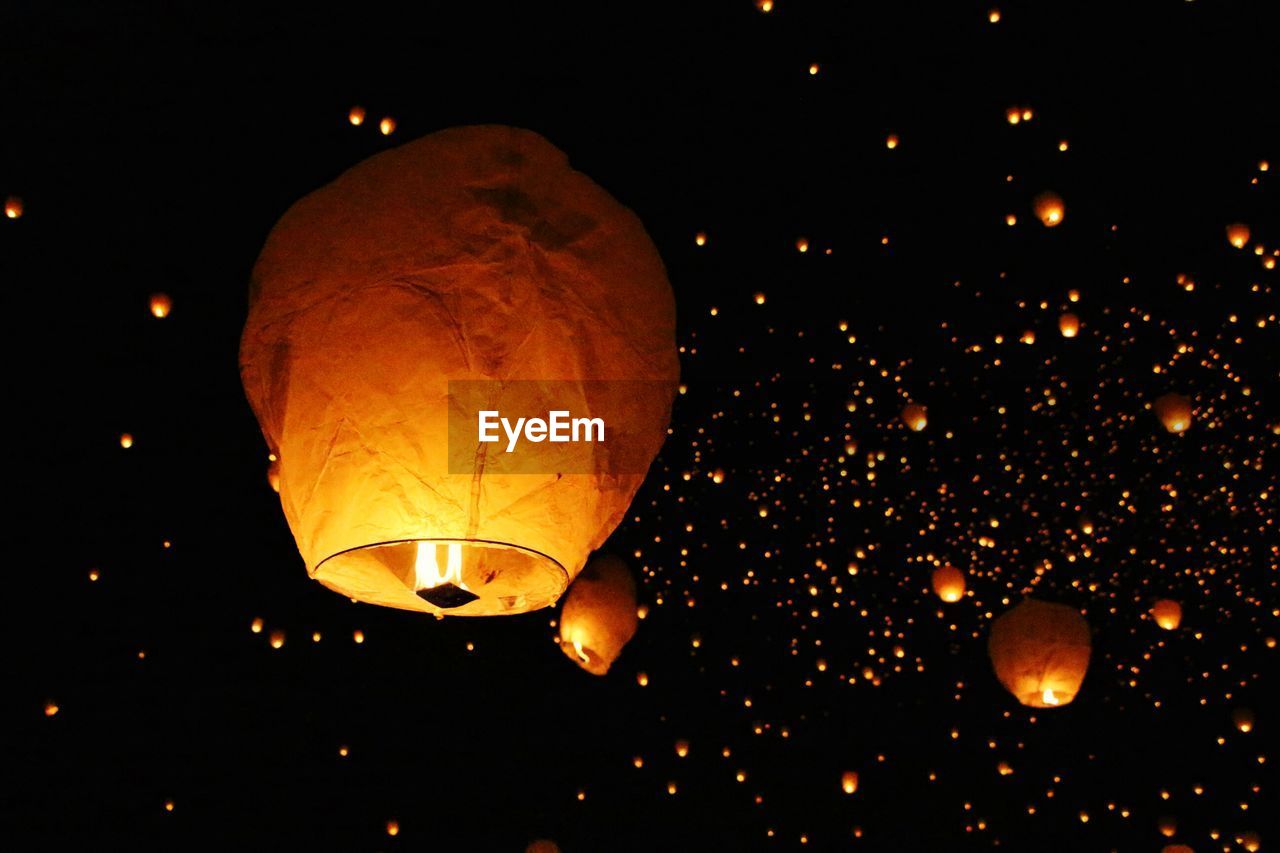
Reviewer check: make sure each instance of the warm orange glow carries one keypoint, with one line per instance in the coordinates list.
(892, 141)
(387, 126)
(1243, 719)
(599, 615)
(1069, 325)
(948, 583)
(1238, 234)
(802, 245)
(161, 305)
(1049, 209)
(126, 440)
(915, 417)
(277, 638)
(13, 207)
(1167, 613)
(50, 709)
(849, 782)
(1174, 412)
(1040, 652)
(356, 116)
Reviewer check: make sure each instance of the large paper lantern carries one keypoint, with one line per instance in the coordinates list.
(1167, 613)
(1040, 652)
(599, 615)
(473, 258)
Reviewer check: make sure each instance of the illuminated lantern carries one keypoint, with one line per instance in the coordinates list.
(1250, 841)
(1069, 325)
(1174, 411)
(1238, 234)
(1167, 613)
(13, 207)
(599, 615)
(161, 305)
(1243, 719)
(1049, 209)
(1168, 826)
(948, 583)
(1040, 652)
(387, 126)
(849, 782)
(914, 417)
(356, 116)
(475, 254)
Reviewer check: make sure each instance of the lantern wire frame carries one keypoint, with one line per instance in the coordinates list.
(505, 578)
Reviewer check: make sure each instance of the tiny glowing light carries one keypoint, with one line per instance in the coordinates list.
(1069, 325)
(891, 141)
(1167, 613)
(277, 638)
(765, 6)
(915, 417)
(802, 245)
(126, 440)
(256, 625)
(393, 827)
(356, 116)
(700, 238)
(759, 298)
(849, 781)
(994, 16)
(387, 126)
(13, 207)
(813, 70)
(50, 709)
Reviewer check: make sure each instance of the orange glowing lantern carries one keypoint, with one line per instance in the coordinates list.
(948, 583)
(1167, 613)
(1069, 325)
(1243, 720)
(1238, 234)
(1040, 652)
(849, 782)
(542, 845)
(1049, 209)
(161, 305)
(599, 615)
(1174, 411)
(472, 257)
(13, 207)
(356, 116)
(915, 417)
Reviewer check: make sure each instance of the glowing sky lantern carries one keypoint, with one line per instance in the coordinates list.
(13, 207)
(1040, 652)
(849, 782)
(161, 305)
(1238, 234)
(1243, 719)
(356, 116)
(1167, 613)
(915, 417)
(1174, 412)
(1049, 209)
(948, 583)
(599, 615)
(472, 255)
(1069, 325)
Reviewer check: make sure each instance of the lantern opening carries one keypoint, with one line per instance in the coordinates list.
(465, 577)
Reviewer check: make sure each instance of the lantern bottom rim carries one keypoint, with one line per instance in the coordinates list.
(498, 578)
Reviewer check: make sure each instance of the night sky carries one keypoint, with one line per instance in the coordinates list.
(843, 197)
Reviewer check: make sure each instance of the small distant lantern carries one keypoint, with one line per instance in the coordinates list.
(161, 305)
(474, 255)
(542, 845)
(1242, 718)
(849, 782)
(1040, 652)
(277, 638)
(1238, 234)
(1049, 209)
(948, 583)
(915, 417)
(387, 126)
(1069, 325)
(13, 207)
(1174, 412)
(1167, 613)
(356, 116)
(599, 615)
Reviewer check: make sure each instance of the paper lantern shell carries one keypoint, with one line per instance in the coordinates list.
(1174, 412)
(1167, 613)
(478, 255)
(599, 615)
(948, 583)
(1040, 652)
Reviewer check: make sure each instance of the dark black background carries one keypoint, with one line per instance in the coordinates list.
(155, 144)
